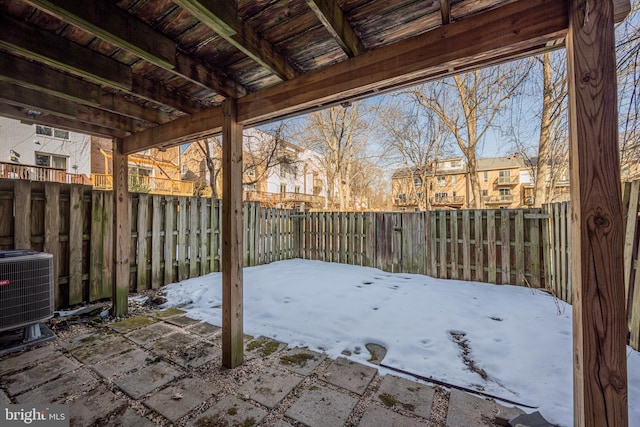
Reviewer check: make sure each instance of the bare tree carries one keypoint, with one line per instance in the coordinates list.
(628, 53)
(338, 135)
(417, 138)
(467, 105)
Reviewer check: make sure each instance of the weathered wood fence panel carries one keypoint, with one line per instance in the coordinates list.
(176, 238)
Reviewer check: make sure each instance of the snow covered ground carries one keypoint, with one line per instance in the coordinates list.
(521, 338)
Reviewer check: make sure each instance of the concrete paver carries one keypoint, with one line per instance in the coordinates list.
(181, 321)
(196, 356)
(17, 362)
(132, 323)
(147, 379)
(377, 416)
(39, 374)
(123, 363)
(172, 344)
(4, 399)
(233, 411)
(262, 347)
(270, 386)
(405, 394)
(349, 375)
(151, 333)
(93, 406)
(101, 348)
(205, 329)
(175, 401)
(467, 410)
(301, 360)
(282, 423)
(77, 381)
(319, 406)
(129, 418)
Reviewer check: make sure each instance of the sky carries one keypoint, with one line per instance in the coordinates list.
(521, 338)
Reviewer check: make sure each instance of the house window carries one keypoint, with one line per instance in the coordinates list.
(485, 176)
(296, 189)
(183, 170)
(251, 172)
(283, 171)
(417, 182)
(441, 195)
(59, 133)
(56, 133)
(283, 188)
(419, 195)
(454, 179)
(51, 161)
(455, 163)
(402, 197)
(442, 181)
(505, 191)
(44, 130)
(138, 171)
(454, 194)
(485, 193)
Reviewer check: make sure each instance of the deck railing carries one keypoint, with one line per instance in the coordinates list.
(146, 184)
(41, 173)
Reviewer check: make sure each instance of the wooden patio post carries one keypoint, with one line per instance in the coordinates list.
(599, 321)
(122, 231)
(232, 333)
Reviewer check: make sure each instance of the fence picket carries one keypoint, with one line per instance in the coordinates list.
(157, 254)
(491, 246)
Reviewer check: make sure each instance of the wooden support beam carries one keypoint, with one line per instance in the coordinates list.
(498, 35)
(334, 20)
(43, 102)
(232, 330)
(445, 11)
(221, 17)
(60, 53)
(599, 319)
(121, 231)
(114, 25)
(184, 129)
(26, 116)
(129, 33)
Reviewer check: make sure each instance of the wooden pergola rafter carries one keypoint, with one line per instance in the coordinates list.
(159, 73)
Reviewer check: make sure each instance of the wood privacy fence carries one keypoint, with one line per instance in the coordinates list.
(176, 238)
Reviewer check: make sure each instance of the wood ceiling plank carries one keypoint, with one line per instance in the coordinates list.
(117, 104)
(221, 17)
(477, 37)
(114, 25)
(152, 91)
(334, 20)
(492, 36)
(19, 113)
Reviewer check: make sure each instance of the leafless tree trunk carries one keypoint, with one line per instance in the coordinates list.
(417, 139)
(467, 105)
(338, 135)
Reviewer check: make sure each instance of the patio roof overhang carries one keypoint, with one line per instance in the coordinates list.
(155, 73)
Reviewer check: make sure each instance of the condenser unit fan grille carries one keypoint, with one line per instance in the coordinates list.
(26, 288)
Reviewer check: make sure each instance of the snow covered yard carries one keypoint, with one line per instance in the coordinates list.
(519, 337)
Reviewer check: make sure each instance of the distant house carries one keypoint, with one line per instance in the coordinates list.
(277, 175)
(502, 184)
(152, 171)
(43, 153)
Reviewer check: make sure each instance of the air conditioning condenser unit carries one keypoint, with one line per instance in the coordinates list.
(26, 292)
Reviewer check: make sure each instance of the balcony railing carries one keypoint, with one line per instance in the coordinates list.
(447, 200)
(505, 198)
(41, 173)
(146, 184)
(276, 198)
(507, 180)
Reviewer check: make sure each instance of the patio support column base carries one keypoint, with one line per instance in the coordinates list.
(232, 331)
